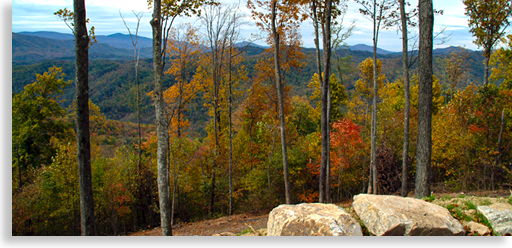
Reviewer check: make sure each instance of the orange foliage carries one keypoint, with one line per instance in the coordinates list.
(309, 196)
(345, 142)
(183, 50)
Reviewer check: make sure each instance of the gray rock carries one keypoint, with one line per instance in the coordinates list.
(499, 216)
(386, 215)
(477, 228)
(311, 219)
(225, 234)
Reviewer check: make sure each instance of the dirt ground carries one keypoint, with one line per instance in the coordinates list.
(241, 223)
(234, 224)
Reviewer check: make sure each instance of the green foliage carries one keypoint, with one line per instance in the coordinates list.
(488, 21)
(339, 97)
(461, 156)
(430, 198)
(51, 204)
(125, 191)
(37, 120)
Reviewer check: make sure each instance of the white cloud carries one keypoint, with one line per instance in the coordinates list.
(37, 15)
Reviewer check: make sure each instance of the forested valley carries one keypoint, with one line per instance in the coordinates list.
(222, 120)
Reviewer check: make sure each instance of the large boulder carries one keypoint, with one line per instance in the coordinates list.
(311, 219)
(499, 216)
(386, 215)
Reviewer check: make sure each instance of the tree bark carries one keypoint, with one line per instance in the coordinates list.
(407, 109)
(230, 134)
(87, 219)
(324, 119)
(280, 92)
(163, 170)
(498, 156)
(424, 149)
(487, 54)
(373, 161)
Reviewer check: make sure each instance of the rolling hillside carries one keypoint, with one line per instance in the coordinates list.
(112, 83)
(29, 49)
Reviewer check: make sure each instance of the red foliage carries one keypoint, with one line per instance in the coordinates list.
(345, 142)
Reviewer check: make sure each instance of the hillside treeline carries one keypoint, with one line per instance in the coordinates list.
(224, 147)
(467, 123)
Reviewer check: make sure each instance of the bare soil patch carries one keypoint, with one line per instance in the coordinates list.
(234, 224)
(242, 223)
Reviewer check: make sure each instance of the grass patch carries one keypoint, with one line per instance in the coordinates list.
(470, 205)
(430, 198)
(461, 196)
(445, 198)
(486, 202)
(509, 200)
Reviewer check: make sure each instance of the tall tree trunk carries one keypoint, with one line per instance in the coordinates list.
(487, 54)
(317, 41)
(424, 149)
(407, 109)
(373, 161)
(324, 119)
(87, 219)
(216, 125)
(280, 96)
(163, 170)
(498, 156)
(230, 135)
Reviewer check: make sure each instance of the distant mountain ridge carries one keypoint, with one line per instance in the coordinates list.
(124, 41)
(35, 47)
(366, 48)
(111, 70)
(116, 40)
(27, 49)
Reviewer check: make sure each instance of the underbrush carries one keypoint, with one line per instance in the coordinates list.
(464, 208)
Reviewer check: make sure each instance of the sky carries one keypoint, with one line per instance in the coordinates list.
(37, 15)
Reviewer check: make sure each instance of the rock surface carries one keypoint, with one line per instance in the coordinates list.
(499, 216)
(477, 228)
(311, 219)
(386, 215)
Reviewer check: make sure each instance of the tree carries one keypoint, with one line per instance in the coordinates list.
(183, 48)
(346, 142)
(425, 82)
(82, 41)
(134, 39)
(341, 34)
(378, 12)
(164, 14)
(280, 99)
(163, 171)
(407, 110)
(216, 73)
(283, 17)
(488, 21)
(501, 61)
(324, 189)
(339, 97)
(82, 114)
(323, 13)
(36, 120)
(233, 59)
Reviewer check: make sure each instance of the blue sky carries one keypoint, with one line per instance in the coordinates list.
(37, 15)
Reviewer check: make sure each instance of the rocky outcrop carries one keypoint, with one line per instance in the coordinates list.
(385, 215)
(311, 219)
(474, 228)
(499, 216)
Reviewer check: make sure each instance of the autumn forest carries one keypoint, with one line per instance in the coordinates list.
(212, 125)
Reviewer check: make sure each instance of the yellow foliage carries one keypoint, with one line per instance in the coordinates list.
(501, 61)
(364, 86)
(437, 98)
